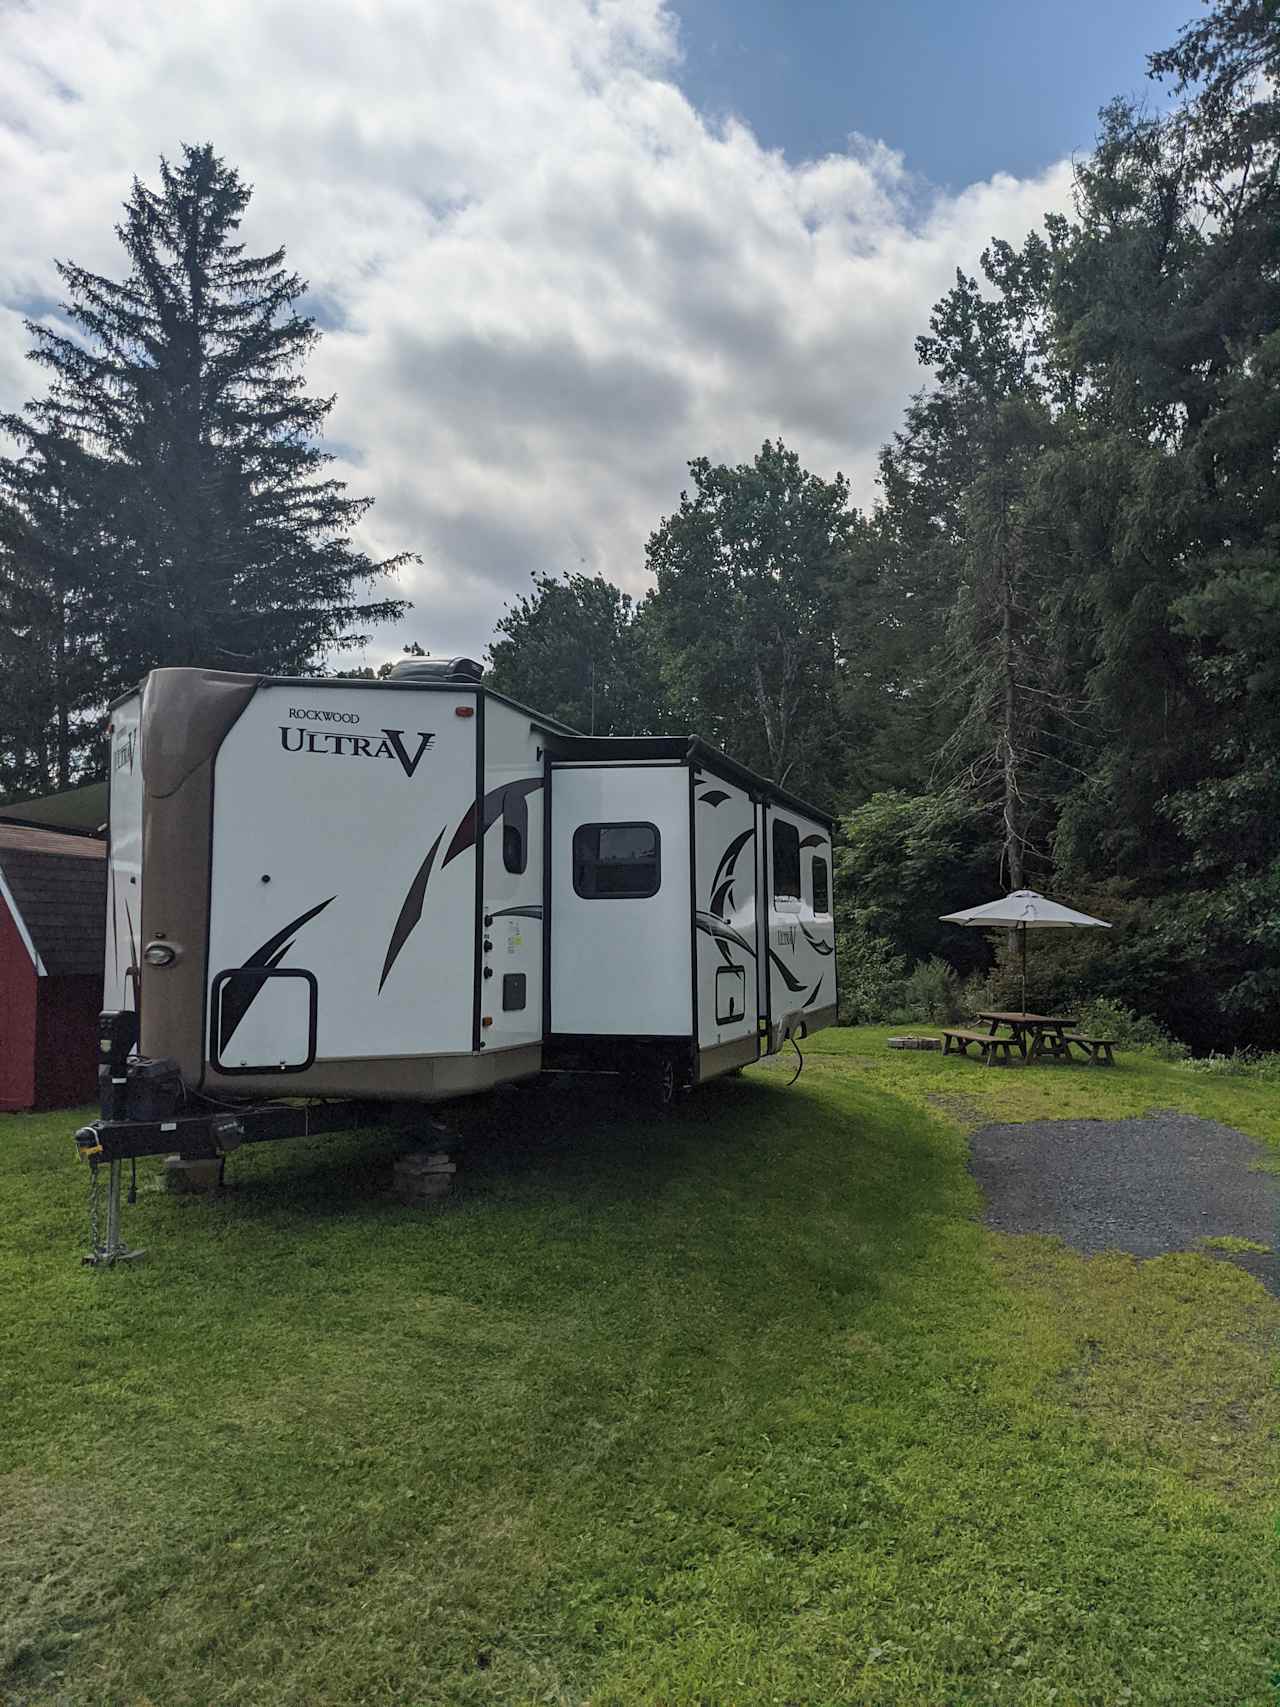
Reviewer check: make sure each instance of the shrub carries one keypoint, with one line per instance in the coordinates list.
(932, 991)
(870, 977)
(1101, 1016)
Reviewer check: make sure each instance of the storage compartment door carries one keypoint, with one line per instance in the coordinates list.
(263, 1020)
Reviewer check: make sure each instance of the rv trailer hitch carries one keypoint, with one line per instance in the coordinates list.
(104, 1252)
(208, 1135)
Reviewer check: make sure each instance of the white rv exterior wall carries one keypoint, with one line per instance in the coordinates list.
(801, 967)
(724, 824)
(124, 864)
(512, 900)
(301, 821)
(621, 968)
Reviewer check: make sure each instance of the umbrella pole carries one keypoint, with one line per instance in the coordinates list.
(1024, 968)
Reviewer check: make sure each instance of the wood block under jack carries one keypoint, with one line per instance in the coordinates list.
(184, 1174)
(424, 1175)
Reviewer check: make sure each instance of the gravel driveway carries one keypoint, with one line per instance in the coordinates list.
(1161, 1183)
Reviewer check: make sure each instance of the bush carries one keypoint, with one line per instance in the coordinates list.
(870, 977)
(1101, 1016)
(932, 991)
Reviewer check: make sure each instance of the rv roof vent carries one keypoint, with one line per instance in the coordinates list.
(437, 670)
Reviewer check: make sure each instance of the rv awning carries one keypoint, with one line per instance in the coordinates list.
(677, 749)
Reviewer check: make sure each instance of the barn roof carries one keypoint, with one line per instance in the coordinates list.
(82, 809)
(57, 885)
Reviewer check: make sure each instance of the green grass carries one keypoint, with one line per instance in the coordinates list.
(746, 1407)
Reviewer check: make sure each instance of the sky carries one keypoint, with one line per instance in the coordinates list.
(560, 247)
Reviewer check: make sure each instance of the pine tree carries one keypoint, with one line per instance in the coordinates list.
(209, 532)
(51, 620)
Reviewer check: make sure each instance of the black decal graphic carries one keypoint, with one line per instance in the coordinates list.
(722, 932)
(722, 896)
(133, 976)
(813, 841)
(124, 752)
(409, 764)
(713, 797)
(237, 997)
(817, 944)
(729, 858)
(788, 976)
(530, 912)
(813, 994)
(326, 741)
(410, 911)
(464, 836)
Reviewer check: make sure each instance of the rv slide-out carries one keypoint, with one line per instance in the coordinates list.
(414, 889)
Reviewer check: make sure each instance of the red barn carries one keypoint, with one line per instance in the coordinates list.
(52, 912)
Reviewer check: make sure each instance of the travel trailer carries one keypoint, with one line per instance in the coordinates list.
(415, 889)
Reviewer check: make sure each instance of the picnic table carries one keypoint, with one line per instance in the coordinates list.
(1046, 1031)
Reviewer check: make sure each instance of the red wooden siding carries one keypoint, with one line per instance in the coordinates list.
(18, 991)
(66, 1055)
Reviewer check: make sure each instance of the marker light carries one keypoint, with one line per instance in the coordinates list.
(464, 711)
(159, 954)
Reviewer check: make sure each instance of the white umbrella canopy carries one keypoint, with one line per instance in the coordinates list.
(1022, 911)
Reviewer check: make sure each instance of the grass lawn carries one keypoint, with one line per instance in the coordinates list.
(743, 1407)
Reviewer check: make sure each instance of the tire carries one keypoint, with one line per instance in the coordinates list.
(658, 1084)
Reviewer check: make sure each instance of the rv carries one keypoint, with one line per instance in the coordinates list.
(415, 889)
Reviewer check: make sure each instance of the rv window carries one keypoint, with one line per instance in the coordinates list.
(821, 885)
(616, 861)
(786, 861)
(514, 830)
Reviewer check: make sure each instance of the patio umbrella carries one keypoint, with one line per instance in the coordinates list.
(1022, 911)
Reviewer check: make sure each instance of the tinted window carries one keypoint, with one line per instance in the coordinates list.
(616, 861)
(515, 830)
(786, 861)
(821, 886)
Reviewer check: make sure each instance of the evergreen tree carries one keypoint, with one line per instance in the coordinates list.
(968, 546)
(51, 619)
(209, 531)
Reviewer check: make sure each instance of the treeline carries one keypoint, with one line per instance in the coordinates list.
(1050, 655)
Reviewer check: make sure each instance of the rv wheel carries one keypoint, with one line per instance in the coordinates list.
(658, 1082)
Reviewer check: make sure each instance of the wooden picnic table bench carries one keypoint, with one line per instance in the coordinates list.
(1098, 1049)
(987, 1043)
(1044, 1030)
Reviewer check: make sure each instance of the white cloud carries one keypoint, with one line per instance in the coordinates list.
(550, 281)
